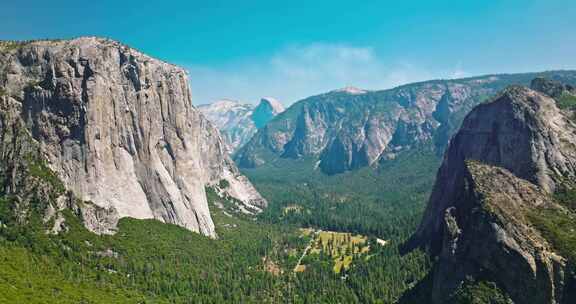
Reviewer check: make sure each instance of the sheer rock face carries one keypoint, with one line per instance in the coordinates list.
(120, 130)
(265, 111)
(507, 158)
(522, 131)
(239, 122)
(488, 235)
(350, 128)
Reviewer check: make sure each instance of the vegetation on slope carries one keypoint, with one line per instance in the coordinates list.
(566, 101)
(151, 262)
(162, 262)
(480, 292)
(32, 278)
(558, 228)
(386, 202)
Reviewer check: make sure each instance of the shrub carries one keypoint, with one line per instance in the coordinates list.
(566, 101)
(558, 228)
(223, 184)
(481, 292)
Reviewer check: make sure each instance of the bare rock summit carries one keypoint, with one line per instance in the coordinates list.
(496, 183)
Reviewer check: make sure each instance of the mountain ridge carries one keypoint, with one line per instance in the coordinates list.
(347, 131)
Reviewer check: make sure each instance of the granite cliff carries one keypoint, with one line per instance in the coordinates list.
(118, 129)
(494, 210)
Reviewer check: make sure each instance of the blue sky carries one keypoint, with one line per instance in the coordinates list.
(245, 49)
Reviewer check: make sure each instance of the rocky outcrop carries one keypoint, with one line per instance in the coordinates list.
(238, 122)
(119, 130)
(522, 131)
(506, 160)
(488, 235)
(351, 128)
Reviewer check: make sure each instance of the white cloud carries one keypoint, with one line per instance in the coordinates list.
(458, 72)
(300, 71)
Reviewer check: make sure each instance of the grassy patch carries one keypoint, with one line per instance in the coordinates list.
(293, 209)
(566, 101)
(339, 247)
(566, 196)
(559, 228)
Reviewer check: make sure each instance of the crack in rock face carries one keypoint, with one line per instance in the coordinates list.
(120, 130)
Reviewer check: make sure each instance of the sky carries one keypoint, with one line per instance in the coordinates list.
(247, 49)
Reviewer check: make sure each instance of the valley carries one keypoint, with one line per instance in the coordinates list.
(114, 188)
(150, 261)
(207, 235)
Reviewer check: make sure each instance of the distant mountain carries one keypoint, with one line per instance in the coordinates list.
(233, 119)
(348, 129)
(501, 216)
(267, 109)
(238, 122)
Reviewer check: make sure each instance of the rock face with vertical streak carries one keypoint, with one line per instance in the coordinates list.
(504, 164)
(119, 129)
(267, 109)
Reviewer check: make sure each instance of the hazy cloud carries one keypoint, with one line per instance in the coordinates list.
(300, 71)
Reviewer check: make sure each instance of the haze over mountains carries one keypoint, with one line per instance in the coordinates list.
(115, 188)
(238, 122)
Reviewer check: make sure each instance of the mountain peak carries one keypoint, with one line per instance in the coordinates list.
(237, 122)
(273, 103)
(351, 90)
(265, 111)
(512, 131)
